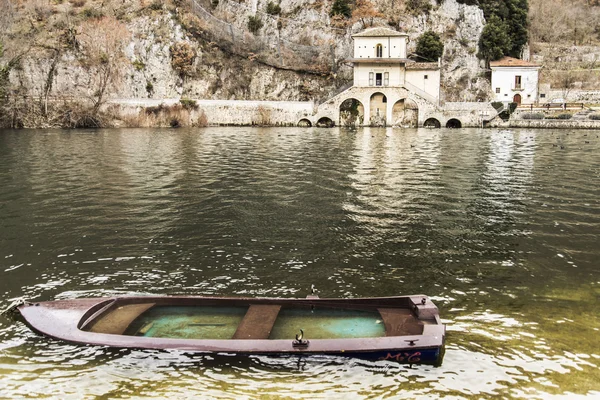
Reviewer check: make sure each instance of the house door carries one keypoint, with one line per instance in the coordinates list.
(378, 79)
(517, 99)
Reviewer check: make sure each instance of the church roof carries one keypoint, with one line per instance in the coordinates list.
(423, 66)
(512, 62)
(379, 32)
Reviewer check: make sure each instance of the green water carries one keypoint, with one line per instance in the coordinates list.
(327, 324)
(188, 322)
(501, 229)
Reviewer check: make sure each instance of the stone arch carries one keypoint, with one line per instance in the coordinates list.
(432, 123)
(453, 123)
(378, 108)
(325, 122)
(405, 113)
(352, 112)
(304, 123)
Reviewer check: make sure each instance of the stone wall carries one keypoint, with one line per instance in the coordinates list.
(230, 112)
(554, 123)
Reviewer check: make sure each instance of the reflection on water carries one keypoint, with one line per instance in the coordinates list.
(500, 228)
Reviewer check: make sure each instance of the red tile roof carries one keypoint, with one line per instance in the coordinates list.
(512, 62)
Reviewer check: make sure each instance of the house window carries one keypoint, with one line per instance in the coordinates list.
(542, 95)
(518, 82)
(386, 79)
(379, 51)
(378, 79)
(497, 90)
(371, 77)
(426, 77)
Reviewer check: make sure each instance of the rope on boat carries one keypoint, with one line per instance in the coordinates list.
(13, 306)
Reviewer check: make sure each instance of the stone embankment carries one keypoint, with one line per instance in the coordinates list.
(224, 112)
(570, 116)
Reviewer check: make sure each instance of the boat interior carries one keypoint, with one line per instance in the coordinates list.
(255, 321)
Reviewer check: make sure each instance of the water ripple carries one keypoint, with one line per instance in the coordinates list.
(500, 228)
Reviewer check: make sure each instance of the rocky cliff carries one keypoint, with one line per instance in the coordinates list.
(206, 49)
(59, 51)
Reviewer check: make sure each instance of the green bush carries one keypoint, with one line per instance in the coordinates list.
(429, 47)
(254, 24)
(138, 65)
(341, 7)
(189, 104)
(149, 88)
(417, 7)
(273, 9)
(156, 5)
(564, 116)
(92, 13)
(498, 105)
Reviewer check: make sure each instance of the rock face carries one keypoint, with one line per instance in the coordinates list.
(297, 55)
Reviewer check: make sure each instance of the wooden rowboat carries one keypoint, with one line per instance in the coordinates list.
(406, 329)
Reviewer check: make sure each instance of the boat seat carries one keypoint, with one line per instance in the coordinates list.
(257, 322)
(117, 321)
(400, 322)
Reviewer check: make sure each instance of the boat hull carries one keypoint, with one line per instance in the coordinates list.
(77, 321)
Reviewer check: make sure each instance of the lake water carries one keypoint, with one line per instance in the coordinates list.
(501, 228)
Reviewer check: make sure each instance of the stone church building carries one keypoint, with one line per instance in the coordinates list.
(389, 89)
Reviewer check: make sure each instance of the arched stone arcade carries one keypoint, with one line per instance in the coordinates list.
(333, 107)
(378, 105)
(352, 113)
(453, 123)
(405, 113)
(432, 123)
(304, 123)
(325, 122)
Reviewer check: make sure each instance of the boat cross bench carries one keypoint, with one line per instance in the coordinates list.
(405, 329)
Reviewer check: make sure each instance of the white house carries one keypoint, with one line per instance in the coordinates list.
(380, 60)
(515, 80)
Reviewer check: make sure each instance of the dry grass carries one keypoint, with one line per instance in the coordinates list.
(174, 116)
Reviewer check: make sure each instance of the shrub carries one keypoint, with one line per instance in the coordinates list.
(156, 5)
(498, 105)
(149, 88)
(417, 7)
(92, 13)
(533, 116)
(138, 65)
(595, 117)
(189, 104)
(429, 47)
(254, 24)
(182, 58)
(273, 9)
(78, 3)
(202, 120)
(341, 7)
(564, 116)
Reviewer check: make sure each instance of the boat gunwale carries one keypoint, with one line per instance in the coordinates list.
(68, 315)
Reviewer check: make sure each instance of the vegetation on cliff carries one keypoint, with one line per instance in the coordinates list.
(429, 47)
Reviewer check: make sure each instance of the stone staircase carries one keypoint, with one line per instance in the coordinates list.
(583, 114)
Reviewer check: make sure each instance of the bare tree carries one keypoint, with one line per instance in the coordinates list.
(365, 12)
(103, 43)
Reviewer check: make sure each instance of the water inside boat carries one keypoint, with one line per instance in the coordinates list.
(254, 322)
